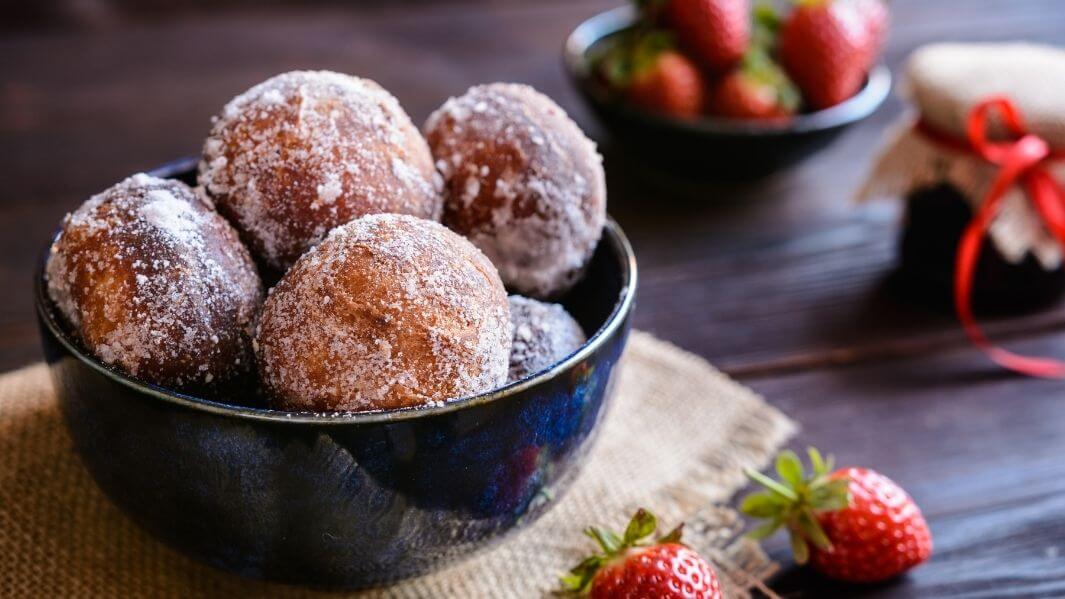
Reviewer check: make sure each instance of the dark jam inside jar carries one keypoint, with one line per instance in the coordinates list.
(935, 219)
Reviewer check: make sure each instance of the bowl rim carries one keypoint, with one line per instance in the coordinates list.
(596, 28)
(612, 234)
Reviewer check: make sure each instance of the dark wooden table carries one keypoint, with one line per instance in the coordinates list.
(779, 282)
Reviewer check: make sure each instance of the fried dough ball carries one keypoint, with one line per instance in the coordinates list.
(306, 151)
(522, 182)
(542, 334)
(156, 283)
(390, 311)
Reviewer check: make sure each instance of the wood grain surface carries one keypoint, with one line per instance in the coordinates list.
(781, 282)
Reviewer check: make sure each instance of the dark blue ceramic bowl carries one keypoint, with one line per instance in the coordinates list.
(352, 500)
(708, 147)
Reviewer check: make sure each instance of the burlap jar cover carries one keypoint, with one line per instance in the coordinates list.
(944, 82)
(676, 442)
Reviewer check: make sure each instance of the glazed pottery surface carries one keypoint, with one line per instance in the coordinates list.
(344, 500)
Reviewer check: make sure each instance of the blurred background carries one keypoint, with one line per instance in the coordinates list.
(93, 90)
(780, 281)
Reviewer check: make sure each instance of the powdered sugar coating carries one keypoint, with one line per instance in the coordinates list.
(158, 284)
(305, 151)
(542, 334)
(389, 311)
(522, 182)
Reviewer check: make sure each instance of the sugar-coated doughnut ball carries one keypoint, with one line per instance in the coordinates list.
(522, 182)
(542, 334)
(389, 311)
(156, 283)
(306, 151)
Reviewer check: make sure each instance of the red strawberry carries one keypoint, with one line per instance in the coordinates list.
(652, 75)
(631, 568)
(759, 90)
(857, 537)
(861, 525)
(716, 32)
(670, 84)
(825, 47)
(874, 14)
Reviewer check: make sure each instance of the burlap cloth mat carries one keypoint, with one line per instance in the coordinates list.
(675, 442)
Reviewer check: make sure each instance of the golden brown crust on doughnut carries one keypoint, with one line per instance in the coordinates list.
(522, 182)
(305, 151)
(158, 284)
(389, 311)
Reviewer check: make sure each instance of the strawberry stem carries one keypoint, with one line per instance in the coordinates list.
(637, 534)
(794, 501)
(771, 484)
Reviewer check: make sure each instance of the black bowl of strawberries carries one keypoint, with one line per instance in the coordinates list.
(709, 89)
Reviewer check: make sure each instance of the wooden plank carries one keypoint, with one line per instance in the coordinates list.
(978, 449)
(820, 296)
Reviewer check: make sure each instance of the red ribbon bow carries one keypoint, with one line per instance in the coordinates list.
(1021, 162)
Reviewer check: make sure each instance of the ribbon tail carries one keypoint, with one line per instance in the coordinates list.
(1019, 163)
(968, 257)
(1049, 200)
(964, 274)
